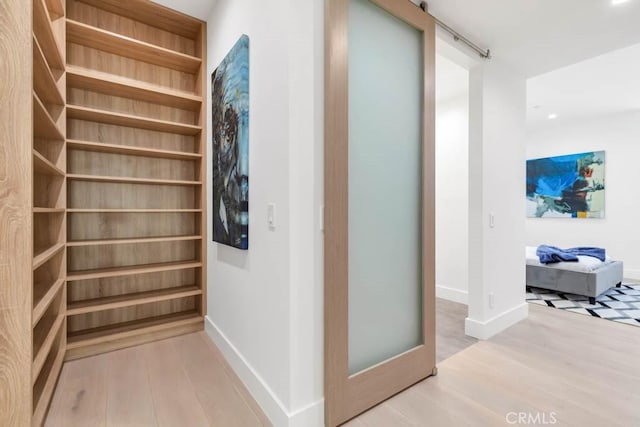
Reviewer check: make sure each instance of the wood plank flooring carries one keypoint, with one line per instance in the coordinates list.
(584, 370)
(450, 336)
(182, 381)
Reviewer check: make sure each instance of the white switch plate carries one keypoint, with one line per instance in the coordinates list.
(271, 216)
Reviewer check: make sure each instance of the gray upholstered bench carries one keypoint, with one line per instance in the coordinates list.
(589, 284)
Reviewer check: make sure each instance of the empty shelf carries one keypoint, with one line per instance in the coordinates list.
(43, 125)
(56, 6)
(119, 301)
(47, 254)
(149, 13)
(128, 329)
(45, 348)
(125, 241)
(44, 33)
(43, 390)
(48, 210)
(131, 151)
(118, 44)
(99, 210)
(44, 83)
(42, 297)
(96, 81)
(127, 120)
(44, 167)
(131, 270)
(127, 180)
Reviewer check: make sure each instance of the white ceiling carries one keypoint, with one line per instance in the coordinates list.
(607, 84)
(537, 36)
(196, 8)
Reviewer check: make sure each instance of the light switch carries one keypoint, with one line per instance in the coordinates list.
(492, 220)
(271, 216)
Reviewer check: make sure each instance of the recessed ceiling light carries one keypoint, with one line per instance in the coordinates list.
(552, 116)
(617, 2)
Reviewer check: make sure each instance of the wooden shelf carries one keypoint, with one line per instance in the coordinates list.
(127, 120)
(139, 298)
(45, 390)
(44, 83)
(131, 270)
(43, 125)
(47, 254)
(45, 348)
(109, 84)
(80, 243)
(43, 295)
(152, 14)
(126, 180)
(56, 6)
(44, 33)
(130, 151)
(134, 210)
(44, 167)
(124, 330)
(48, 210)
(118, 44)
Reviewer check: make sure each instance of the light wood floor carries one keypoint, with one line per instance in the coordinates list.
(585, 370)
(450, 336)
(182, 381)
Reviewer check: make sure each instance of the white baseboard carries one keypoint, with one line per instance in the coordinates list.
(451, 294)
(487, 329)
(311, 415)
(630, 273)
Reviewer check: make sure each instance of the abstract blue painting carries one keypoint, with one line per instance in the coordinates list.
(570, 186)
(230, 129)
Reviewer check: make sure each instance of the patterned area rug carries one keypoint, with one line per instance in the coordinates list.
(618, 304)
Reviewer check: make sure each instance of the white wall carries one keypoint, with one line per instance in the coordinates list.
(265, 304)
(496, 174)
(618, 135)
(452, 193)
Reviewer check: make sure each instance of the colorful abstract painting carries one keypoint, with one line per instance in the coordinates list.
(570, 186)
(230, 129)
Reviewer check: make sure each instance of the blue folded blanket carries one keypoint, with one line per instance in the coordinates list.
(551, 254)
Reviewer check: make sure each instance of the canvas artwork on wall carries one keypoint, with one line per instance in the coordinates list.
(570, 186)
(230, 129)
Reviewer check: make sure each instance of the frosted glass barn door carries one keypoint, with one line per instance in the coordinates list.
(379, 206)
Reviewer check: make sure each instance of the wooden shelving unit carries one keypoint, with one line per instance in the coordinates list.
(104, 165)
(136, 167)
(49, 202)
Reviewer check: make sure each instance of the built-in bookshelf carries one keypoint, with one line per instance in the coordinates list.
(49, 159)
(135, 174)
(102, 163)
